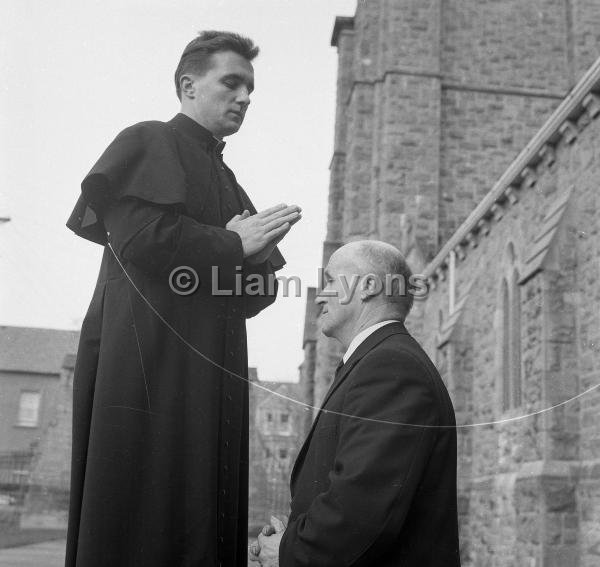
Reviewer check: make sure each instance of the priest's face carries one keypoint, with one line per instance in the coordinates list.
(219, 98)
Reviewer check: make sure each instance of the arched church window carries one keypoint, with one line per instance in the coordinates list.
(505, 353)
(515, 335)
(511, 342)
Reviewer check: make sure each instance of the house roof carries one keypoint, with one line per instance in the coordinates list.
(28, 349)
(268, 393)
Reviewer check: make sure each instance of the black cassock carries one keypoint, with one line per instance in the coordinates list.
(160, 433)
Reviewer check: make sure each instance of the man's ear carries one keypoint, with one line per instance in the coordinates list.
(188, 88)
(371, 285)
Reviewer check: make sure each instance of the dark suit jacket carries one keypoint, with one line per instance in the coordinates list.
(367, 491)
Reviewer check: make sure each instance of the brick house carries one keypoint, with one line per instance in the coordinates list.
(36, 367)
(31, 362)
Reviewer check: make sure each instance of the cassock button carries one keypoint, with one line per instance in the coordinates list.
(229, 397)
(228, 421)
(226, 443)
(223, 492)
(225, 468)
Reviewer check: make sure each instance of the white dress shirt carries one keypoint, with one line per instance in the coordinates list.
(358, 339)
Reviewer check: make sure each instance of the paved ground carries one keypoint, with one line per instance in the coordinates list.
(48, 554)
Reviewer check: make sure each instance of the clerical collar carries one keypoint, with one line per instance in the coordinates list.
(197, 131)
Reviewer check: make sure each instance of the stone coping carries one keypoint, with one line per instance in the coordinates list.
(341, 23)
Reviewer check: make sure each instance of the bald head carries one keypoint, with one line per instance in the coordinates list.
(366, 282)
(386, 263)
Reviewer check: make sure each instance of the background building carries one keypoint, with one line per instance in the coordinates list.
(36, 367)
(30, 367)
(276, 432)
(467, 134)
(309, 346)
(36, 399)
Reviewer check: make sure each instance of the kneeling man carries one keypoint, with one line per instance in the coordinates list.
(375, 481)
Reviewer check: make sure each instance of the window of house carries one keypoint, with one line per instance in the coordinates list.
(283, 453)
(269, 417)
(29, 409)
(267, 453)
(284, 417)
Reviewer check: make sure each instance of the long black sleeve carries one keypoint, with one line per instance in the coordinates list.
(158, 239)
(265, 273)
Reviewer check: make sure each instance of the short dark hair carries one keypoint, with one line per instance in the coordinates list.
(196, 55)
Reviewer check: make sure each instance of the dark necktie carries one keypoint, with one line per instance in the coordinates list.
(338, 368)
(219, 146)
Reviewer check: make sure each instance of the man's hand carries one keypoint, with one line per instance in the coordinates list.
(253, 552)
(266, 550)
(263, 229)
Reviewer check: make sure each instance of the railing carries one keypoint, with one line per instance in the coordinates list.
(15, 468)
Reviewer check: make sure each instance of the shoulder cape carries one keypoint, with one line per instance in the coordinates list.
(142, 162)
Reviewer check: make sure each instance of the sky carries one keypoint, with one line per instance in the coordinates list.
(76, 73)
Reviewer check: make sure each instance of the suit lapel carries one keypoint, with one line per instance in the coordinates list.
(368, 344)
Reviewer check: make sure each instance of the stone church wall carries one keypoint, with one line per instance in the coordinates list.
(529, 487)
(434, 100)
(437, 101)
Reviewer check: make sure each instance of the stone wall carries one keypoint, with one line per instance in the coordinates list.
(437, 102)
(434, 100)
(481, 132)
(584, 21)
(307, 368)
(529, 485)
(508, 44)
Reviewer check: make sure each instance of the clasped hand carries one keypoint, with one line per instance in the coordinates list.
(261, 232)
(265, 550)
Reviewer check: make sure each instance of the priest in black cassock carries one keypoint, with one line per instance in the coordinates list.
(160, 423)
